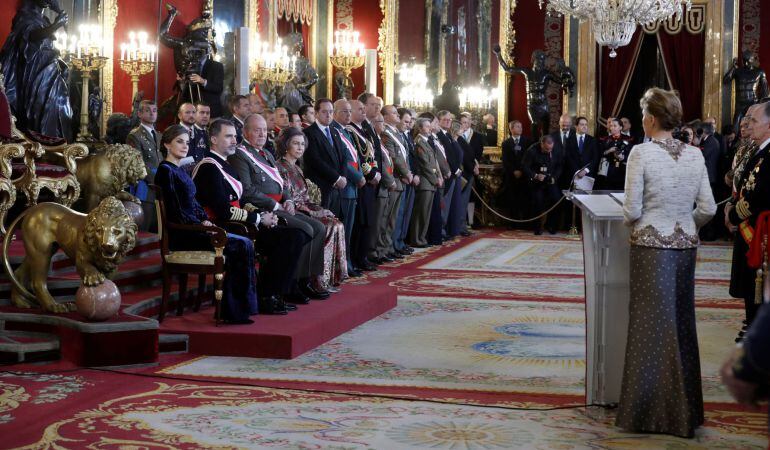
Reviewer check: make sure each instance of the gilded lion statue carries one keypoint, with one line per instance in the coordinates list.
(108, 173)
(97, 242)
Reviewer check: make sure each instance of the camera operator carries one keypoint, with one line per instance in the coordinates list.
(543, 169)
(203, 80)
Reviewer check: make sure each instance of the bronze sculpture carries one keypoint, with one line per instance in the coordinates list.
(296, 92)
(97, 242)
(750, 84)
(108, 173)
(35, 76)
(537, 78)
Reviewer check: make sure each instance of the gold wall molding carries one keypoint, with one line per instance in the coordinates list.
(587, 87)
(694, 21)
(108, 18)
(251, 13)
(507, 44)
(387, 48)
(713, 58)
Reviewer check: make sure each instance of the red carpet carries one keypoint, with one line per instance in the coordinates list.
(284, 337)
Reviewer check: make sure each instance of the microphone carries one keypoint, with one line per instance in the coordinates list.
(574, 177)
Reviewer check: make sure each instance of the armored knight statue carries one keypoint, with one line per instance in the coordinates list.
(35, 76)
(296, 92)
(200, 77)
(537, 79)
(750, 84)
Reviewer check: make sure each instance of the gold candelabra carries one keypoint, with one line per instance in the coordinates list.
(347, 54)
(273, 65)
(137, 58)
(85, 64)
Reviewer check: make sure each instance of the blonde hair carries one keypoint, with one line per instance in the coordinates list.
(664, 105)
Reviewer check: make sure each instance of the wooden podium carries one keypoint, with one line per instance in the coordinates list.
(606, 261)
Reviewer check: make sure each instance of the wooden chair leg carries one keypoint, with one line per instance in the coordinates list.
(165, 295)
(218, 277)
(201, 291)
(182, 294)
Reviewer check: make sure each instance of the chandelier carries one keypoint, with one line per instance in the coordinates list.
(414, 92)
(272, 65)
(477, 99)
(615, 21)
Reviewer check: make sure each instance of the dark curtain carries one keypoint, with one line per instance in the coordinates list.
(683, 57)
(616, 75)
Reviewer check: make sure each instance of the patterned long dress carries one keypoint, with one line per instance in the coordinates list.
(335, 262)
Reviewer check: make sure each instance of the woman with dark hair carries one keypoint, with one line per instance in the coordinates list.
(661, 389)
(35, 76)
(290, 146)
(239, 299)
(614, 149)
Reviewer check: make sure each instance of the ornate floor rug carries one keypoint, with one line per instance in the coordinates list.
(121, 411)
(555, 256)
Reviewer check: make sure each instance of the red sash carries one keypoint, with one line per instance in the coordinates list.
(754, 256)
(272, 172)
(232, 181)
(351, 149)
(276, 197)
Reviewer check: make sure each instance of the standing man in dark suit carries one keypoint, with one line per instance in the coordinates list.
(472, 144)
(582, 152)
(542, 169)
(516, 184)
(454, 157)
(323, 161)
(199, 145)
(264, 188)
(147, 140)
(240, 108)
(211, 82)
(354, 176)
(712, 155)
(408, 182)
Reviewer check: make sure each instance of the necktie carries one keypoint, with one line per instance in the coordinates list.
(564, 138)
(516, 141)
(580, 145)
(329, 136)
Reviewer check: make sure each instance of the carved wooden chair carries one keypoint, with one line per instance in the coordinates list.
(184, 263)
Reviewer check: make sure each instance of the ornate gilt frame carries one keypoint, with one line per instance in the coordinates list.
(108, 17)
(507, 42)
(387, 48)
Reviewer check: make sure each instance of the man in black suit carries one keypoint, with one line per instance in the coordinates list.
(582, 152)
(323, 160)
(240, 108)
(199, 144)
(712, 154)
(542, 170)
(210, 83)
(454, 157)
(515, 183)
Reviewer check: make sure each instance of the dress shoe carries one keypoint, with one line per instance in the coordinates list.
(395, 255)
(408, 250)
(238, 322)
(367, 267)
(552, 230)
(538, 232)
(297, 298)
(289, 306)
(354, 273)
(465, 233)
(315, 294)
(272, 306)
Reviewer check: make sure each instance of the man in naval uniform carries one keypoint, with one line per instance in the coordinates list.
(219, 191)
(743, 211)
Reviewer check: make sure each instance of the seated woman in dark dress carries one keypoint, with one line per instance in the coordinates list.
(239, 299)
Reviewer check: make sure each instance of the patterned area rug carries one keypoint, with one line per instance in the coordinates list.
(562, 257)
(141, 413)
(464, 345)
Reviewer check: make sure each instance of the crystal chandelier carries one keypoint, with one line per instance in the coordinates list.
(272, 65)
(615, 21)
(414, 92)
(477, 99)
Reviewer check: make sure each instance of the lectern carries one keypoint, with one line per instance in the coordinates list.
(606, 261)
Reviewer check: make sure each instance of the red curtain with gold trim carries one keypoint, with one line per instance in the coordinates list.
(616, 75)
(683, 57)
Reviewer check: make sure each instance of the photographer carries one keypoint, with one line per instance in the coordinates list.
(614, 150)
(543, 169)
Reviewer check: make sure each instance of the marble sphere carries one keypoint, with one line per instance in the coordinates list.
(98, 303)
(135, 212)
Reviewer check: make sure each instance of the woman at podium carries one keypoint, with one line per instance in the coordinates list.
(661, 389)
